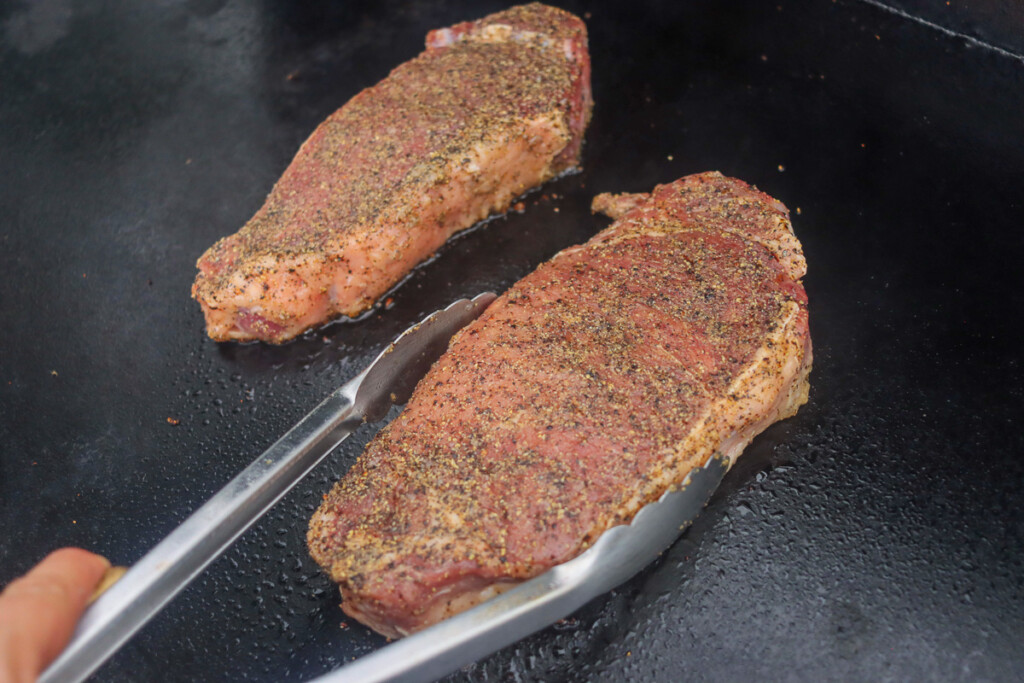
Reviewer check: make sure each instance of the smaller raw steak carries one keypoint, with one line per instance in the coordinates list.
(491, 109)
(590, 388)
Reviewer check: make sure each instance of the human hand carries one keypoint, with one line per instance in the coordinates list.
(38, 611)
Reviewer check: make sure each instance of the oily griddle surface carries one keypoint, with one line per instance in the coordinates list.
(879, 534)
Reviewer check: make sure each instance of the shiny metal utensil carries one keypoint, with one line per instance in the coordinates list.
(174, 562)
(617, 555)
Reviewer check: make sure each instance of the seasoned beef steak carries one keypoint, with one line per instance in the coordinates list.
(489, 110)
(586, 391)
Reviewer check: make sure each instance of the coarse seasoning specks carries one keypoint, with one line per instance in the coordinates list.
(590, 388)
(446, 139)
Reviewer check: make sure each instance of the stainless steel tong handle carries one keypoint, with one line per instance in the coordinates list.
(617, 555)
(155, 579)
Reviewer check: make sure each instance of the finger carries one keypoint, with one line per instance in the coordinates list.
(109, 578)
(38, 611)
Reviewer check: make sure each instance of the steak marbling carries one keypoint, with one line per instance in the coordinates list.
(489, 110)
(586, 391)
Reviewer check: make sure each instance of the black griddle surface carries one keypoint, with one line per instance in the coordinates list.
(878, 535)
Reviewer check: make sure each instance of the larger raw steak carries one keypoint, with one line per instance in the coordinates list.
(587, 390)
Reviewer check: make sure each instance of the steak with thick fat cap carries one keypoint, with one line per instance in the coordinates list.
(586, 391)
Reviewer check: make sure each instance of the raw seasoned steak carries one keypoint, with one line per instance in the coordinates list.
(586, 391)
(489, 110)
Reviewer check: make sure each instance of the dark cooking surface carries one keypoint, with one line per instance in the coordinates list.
(997, 23)
(877, 535)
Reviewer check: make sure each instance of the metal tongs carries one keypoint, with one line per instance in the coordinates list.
(618, 554)
(174, 562)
